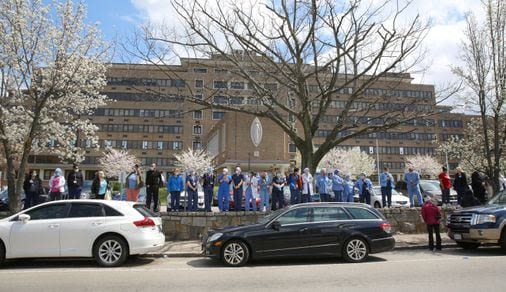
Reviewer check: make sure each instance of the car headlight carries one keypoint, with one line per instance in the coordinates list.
(215, 237)
(482, 218)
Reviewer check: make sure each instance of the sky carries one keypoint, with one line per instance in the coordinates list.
(117, 19)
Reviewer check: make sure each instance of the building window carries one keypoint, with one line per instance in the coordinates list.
(200, 70)
(198, 96)
(292, 148)
(220, 84)
(144, 144)
(197, 145)
(107, 143)
(237, 85)
(176, 145)
(197, 115)
(220, 99)
(124, 144)
(159, 145)
(199, 83)
(197, 130)
(218, 115)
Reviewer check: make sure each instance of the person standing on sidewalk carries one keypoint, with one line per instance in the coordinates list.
(153, 183)
(33, 188)
(460, 184)
(348, 192)
(251, 183)
(278, 183)
(295, 181)
(387, 183)
(208, 185)
(412, 180)
(264, 184)
(223, 191)
(175, 186)
(192, 192)
(364, 186)
(56, 185)
(99, 186)
(75, 183)
(324, 185)
(134, 184)
(237, 182)
(431, 216)
(307, 186)
(445, 184)
(337, 186)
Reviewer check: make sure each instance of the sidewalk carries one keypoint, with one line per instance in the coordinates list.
(191, 248)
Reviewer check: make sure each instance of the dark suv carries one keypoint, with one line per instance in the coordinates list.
(471, 227)
(350, 230)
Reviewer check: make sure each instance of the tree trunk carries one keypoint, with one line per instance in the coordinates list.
(13, 192)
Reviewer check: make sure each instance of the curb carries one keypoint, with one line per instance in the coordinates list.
(424, 246)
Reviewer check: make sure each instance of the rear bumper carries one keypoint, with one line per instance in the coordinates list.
(147, 243)
(382, 244)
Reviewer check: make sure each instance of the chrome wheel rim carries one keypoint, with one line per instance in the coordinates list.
(356, 250)
(110, 251)
(234, 253)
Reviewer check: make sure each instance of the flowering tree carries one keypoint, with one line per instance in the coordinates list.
(114, 162)
(52, 66)
(197, 160)
(470, 150)
(351, 161)
(424, 164)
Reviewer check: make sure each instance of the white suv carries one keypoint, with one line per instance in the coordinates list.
(109, 231)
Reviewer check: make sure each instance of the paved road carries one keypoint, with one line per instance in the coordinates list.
(450, 270)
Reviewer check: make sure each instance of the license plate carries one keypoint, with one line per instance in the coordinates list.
(457, 236)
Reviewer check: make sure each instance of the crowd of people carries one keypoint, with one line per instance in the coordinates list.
(256, 190)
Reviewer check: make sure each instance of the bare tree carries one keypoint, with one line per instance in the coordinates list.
(484, 73)
(302, 61)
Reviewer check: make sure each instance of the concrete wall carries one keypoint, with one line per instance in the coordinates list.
(191, 226)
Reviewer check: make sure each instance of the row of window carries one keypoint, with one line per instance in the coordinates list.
(446, 137)
(399, 136)
(143, 113)
(377, 92)
(237, 85)
(170, 129)
(450, 123)
(399, 150)
(145, 82)
(137, 144)
(379, 106)
(162, 162)
(139, 96)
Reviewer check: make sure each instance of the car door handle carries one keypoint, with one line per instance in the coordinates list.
(96, 223)
(53, 226)
(303, 229)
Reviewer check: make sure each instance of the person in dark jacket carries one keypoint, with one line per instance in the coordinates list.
(460, 184)
(99, 186)
(75, 183)
(469, 200)
(153, 183)
(431, 216)
(478, 186)
(33, 188)
(208, 184)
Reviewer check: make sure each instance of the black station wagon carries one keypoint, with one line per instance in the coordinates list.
(350, 230)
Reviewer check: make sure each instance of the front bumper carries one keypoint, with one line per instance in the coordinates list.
(209, 249)
(476, 235)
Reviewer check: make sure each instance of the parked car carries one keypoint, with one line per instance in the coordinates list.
(86, 189)
(486, 224)
(184, 198)
(398, 200)
(431, 188)
(4, 199)
(352, 231)
(108, 231)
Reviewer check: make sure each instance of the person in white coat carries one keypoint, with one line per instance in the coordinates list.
(307, 186)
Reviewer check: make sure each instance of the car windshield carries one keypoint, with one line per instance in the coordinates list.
(499, 199)
(430, 186)
(271, 216)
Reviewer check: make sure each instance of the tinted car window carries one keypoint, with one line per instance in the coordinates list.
(86, 210)
(329, 214)
(299, 215)
(111, 212)
(360, 213)
(53, 211)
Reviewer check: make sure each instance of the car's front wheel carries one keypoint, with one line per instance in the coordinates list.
(110, 251)
(468, 245)
(355, 250)
(235, 253)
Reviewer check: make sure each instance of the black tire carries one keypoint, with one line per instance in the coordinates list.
(377, 205)
(355, 250)
(468, 245)
(503, 240)
(235, 253)
(2, 252)
(110, 251)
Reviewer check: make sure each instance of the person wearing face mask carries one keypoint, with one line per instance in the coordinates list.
(75, 183)
(337, 186)
(134, 183)
(174, 187)
(307, 186)
(208, 185)
(322, 183)
(56, 185)
(33, 188)
(238, 181)
(364, 186)
(153, 183)
(192, 191)
(264, 183)
(223, 196)
(348, 191)
(412, 179)
(278, 183)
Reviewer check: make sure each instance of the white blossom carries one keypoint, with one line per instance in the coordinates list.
(196, 160)
(351, 161)
(114, 162)
(425, 165)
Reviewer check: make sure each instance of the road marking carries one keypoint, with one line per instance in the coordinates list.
(298, 266)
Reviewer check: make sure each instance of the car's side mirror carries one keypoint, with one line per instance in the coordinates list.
(276, 225)
(24, 218)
